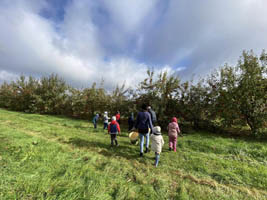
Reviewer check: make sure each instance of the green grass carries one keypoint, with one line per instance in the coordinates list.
(47, 157)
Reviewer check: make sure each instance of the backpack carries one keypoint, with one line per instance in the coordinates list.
(113, 128)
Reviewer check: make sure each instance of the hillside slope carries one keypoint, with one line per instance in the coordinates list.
(47, 157)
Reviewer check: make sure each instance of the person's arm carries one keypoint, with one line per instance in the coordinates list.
(118, 127)
(150, 122)
(177, 128)
(109, 128)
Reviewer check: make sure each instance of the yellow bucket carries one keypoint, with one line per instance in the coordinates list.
(133, 135)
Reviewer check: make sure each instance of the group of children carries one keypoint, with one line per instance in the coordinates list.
(157, 141)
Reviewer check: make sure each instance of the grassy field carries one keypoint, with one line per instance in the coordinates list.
(46, 157)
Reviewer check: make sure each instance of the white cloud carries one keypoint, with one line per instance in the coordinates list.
(7, 76)
(130, 14)
(30, 45)
(207, 33)
(118, 40)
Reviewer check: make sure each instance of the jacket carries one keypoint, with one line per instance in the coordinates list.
(95, 119)
(106, 119)
(143, 121)
(118, 127)
(153, 116)
(118, 116)
(157, 143)
(173, 129)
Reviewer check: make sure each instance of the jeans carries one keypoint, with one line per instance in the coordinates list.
(156, 159)
(95, 124)
(141, 135)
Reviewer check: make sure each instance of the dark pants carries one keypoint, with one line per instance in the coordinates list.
(113, 138)
(105, 125)
(131, 125)
(95, 124)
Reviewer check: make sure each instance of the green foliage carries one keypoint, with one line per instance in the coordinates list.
(160, 93)
(241, 92)
(193, 102)
(234, 96)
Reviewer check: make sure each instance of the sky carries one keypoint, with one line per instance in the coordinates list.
(86, 41)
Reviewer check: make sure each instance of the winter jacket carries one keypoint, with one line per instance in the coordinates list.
(143, 122)
(173, 129)
(118, 116)
(157, 143)
(95, 119)
(106, 119)
(153, 116)
(113, 122)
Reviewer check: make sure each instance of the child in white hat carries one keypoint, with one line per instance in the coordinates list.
(114, 130)
(106, 118)
(157, 143)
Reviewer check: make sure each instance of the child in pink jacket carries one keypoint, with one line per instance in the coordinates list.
(173, 132)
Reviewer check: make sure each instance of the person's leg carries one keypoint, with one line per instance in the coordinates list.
(115, 138)
(112, 138)
(147, 142)
(170, 143)
(141, 143)
(174, 143)
(157, 159)
(94, 125)
(131, 126)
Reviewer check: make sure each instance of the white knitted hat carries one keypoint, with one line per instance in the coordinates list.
(113, 118)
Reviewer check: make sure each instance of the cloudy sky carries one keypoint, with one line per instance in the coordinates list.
(118, 40)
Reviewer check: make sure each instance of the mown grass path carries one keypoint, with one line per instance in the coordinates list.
(47, 157)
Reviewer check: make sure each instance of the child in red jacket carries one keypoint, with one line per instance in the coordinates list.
(113, 130)
(118, 117)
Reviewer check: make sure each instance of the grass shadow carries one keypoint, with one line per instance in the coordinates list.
(123, 150)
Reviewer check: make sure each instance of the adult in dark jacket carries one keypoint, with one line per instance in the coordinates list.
(143, 123)
(130, 122)
(152, 115)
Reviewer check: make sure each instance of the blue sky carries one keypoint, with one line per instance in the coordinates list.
(86, 41)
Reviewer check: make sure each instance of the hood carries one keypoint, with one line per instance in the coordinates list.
(113, 122)
(174, 119)
(157, 130)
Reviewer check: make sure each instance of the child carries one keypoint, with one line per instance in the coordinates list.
(106, 118)
(157, 143)
(113, 130)
(95, 119)
(173, 132)
(118, 117)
